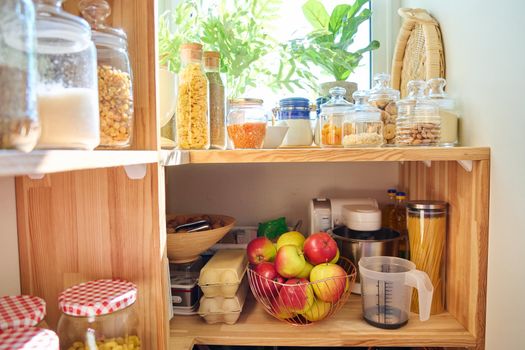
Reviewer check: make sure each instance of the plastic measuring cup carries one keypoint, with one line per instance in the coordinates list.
(386, 291)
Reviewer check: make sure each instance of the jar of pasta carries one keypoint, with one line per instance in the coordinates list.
(246, 123)
(363, 126)
(192, 117)
(384, 97)
(427, 229)
(99, 315)
(333, 114)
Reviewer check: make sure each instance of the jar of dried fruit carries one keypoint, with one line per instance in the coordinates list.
(333, 114)
(246, 123)
(384, 97)
(115, 87)
(363, 126)
(193, 121)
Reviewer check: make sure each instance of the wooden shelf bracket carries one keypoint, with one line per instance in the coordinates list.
(466, 164)
(135, 171)
(428, 163)
(36, 176)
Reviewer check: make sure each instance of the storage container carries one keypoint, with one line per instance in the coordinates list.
(223, 274)
(447, 111)
(21, 311)
(317, 125)
(67, 86)
(98, 312)
(217, 96)
(115, 79)
(363, 126)
(185, 293)
(247, 123)
(294, 112)
(384, 97)
(221, 309)
(30, 338)
(19, 125)
(333, 114)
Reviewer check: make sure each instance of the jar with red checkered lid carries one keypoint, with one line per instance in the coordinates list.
(99, 315)
(21, 311)
(28, 338)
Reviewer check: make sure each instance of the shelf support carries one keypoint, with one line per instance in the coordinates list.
(466, 164)
(36, 176)
(428, 163)
(136, 171)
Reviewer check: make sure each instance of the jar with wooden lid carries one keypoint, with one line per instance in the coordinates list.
(192, 118)
(98, 315)
(115, 86)
(247, 123)
(217, 98)
(333, 114)
(384, 97)
(447, 111)
(363, 127)
(29, 338)
(18, 311)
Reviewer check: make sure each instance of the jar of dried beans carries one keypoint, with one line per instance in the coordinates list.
(115, 88)
(247, 123)
(333, 113)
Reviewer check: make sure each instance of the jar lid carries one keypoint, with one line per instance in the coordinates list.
(211, 59)
(362, 217)
(427, 204)
(416, 104)
(28, 338)
(337, 104)
(436, 92)
(21, 311)
(97, 298)
(382, 89)
(96, 12)
(295, 102)
(246, 102)
(362, 110)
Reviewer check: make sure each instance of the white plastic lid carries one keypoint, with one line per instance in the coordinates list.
(362, 217)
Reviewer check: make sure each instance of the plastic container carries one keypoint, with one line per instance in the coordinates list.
(192, 118)
(221, 309)
(223, 274)
(115, 79)
(362, 217)
(333, 114)
(29, 338)
(19, 125)
(21, 311)
(384, 97)
(363, 126)
(418, 122)
(386, 291)
(246, 123)
(67, 88)
(294, 112)
(98, 312)
(217, 95)
(447, 111)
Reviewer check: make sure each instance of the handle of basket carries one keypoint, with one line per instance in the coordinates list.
(418, 15)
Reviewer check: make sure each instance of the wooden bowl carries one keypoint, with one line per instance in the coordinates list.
(187, 246)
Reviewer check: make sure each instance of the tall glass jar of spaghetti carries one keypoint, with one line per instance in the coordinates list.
(427, 230)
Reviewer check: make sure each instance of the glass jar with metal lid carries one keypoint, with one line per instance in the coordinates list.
(114, 76)
(384, 97)
(333, 113)
(18, 311)
(294, 112)
(28, 338)
(447, 111)
(363, 126)
(246, 123)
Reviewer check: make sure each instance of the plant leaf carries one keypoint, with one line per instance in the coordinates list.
(338, 15)
(316, 14)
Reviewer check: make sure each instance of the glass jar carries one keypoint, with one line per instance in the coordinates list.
(317, 128)
(18, 311)
(115, 85)
(333, 113)
(294, 112)
(427, 230)
(363, 127)
(192, 118)
(67, 88)
(384, 97)
(28, 338)
(97, 313)
(447, 111)
(246, 123)
(19, 126)
(217, 95)
(418, 122)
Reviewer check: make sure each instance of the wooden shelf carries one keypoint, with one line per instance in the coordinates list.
(52, 161)
(346, 328)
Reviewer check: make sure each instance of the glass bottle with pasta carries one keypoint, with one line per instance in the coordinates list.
(193, 123)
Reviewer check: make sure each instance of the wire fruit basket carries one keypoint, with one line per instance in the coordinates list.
(300, 302)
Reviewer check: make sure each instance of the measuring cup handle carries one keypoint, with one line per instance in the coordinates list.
(425, 290)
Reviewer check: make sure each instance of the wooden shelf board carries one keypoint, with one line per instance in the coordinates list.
(346, 328)
(52, 161)
(174, 157)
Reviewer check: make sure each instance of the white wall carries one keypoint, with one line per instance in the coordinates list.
(9, 270)
(485, 56)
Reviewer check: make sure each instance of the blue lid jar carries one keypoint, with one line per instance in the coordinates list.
(294, 108)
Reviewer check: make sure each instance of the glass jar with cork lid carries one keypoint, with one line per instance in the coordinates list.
(217, 99)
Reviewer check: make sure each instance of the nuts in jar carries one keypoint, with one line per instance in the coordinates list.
(419, 134)
(131, 342)
(385, 98)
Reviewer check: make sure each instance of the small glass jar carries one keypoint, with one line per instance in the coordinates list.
(18, 311)
(246, 123)
(384, 97)
(97, 313)
(217, 94)
(447, 111)
(363, 126)
(115, 87)
(29, 338)
(294, 112)
(67, 88)
(418, 122)
(333, 113)
(19, 125)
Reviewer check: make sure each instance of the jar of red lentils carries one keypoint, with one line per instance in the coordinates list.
(99, 315)
(246, 123)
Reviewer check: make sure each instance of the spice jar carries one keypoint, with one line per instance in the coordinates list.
(427, 226)
(97, 315)
(363, 127)
(115, 88)
(192, 119)
(294, 112)
(217, 97)
(19, 125)
(28, 338)
(447, 111)
(67, 88)
(384, 97)
(333, 113)
(247, 123)
(21, 311)
(418, 122)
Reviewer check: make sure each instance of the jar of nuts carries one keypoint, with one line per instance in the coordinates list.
(418, 121)
(333, 114)
(115, 88)
(363, 126)
(384, 97)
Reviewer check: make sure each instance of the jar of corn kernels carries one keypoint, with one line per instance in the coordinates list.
(99, 315)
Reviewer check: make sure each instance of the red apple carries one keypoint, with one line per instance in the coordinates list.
(332, 281)
(289, 261)
(320, 248)
(297, 295)
(266, 275)
(280, 310)
(260, 249)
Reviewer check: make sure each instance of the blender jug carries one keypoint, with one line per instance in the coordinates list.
(386, 291)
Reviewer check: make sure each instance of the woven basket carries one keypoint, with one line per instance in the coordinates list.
(419, 49)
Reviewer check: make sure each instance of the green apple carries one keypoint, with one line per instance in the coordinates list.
(306, 271)
(289, 261)
(292, 237)
(318, 311)
(332, 281)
